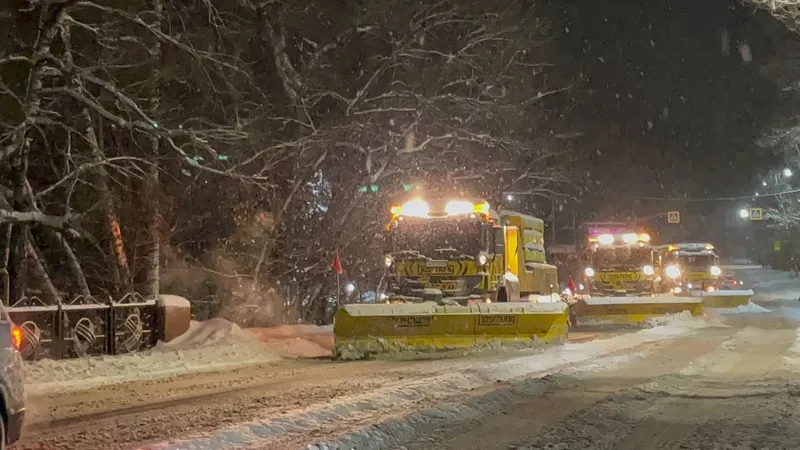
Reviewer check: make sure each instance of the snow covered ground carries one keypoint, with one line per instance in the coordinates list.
(428, 394)
(207, 346)
(344, 415)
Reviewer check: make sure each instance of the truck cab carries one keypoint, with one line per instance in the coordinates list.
(460, 251)
(620, 264)
(698, 264)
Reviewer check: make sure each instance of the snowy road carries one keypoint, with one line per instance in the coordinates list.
(730, 379)
(722, 388)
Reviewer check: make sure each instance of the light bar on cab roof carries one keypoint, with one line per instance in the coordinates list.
(627, 238)
(414, 208)
(420, 208)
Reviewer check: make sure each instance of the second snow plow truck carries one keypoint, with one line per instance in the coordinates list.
(459, 274)
(624, 284)
(701, 276)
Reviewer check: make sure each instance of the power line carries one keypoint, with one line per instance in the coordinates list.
(720, 199)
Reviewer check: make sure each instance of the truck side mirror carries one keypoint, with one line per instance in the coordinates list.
(499, 241)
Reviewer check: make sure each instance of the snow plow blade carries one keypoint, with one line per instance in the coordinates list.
(632, 310)
(363, 330)
(724, 299)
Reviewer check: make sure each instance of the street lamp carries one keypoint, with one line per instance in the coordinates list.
(763, 183)
(744, 213)
(509, 197)
(787, 172)
(349, 288)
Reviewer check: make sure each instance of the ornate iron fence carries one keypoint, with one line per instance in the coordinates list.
(85, 326)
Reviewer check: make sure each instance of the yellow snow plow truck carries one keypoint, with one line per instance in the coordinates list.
(701, 276)
(622, 280)
(459, 274)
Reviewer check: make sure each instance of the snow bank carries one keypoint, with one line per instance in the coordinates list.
(406, 398)
(750, 308)
(209, 332)
(207, 346)
(297, 341)
(84, 373)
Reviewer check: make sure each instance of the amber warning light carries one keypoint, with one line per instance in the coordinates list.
(16, 336)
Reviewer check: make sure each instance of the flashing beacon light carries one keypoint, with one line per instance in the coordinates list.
(605, 239)
(414, 208)
(457, 207)
(481, 208)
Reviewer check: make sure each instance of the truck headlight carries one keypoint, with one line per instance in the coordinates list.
(648, 270)
(716, 271)
(482, 259)
(589, 272)
(672, 272)
(387, 260)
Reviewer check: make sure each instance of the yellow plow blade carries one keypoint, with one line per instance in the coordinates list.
(724, 299)
(633, 310)
(366, 329)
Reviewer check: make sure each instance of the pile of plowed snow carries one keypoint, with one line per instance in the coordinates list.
(211, 345)
(298, 341)
(209, 332)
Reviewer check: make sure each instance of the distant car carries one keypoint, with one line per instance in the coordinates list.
(731, 283)
(12, 394)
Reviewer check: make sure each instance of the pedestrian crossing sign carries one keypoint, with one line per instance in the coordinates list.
(756, 214)
(674, 217)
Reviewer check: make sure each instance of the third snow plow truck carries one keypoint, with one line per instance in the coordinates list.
(459, 274)
(701, 276)
(623, 280)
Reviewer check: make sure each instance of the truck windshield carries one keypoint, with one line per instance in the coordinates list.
(437, 239)
(697, 260)
(615, 257)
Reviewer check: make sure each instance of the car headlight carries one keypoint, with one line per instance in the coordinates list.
(482, 259)
(672, 271)
(648, 270)
(589, 272)
(716, 271)
(388, 260)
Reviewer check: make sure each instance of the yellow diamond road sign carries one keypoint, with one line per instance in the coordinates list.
(674, 217)
(756, 214)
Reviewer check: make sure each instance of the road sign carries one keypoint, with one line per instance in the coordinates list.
(756, 214)
(674, 217)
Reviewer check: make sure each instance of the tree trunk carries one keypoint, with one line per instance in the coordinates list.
(75, 265)
(153, 244)
(39, 270)
(153, 252)
(110, 212)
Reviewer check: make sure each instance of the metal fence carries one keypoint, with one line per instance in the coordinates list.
(85, 326)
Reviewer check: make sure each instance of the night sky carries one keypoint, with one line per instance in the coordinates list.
(664, 110)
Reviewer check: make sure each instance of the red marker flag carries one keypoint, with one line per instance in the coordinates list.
(337, 264)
